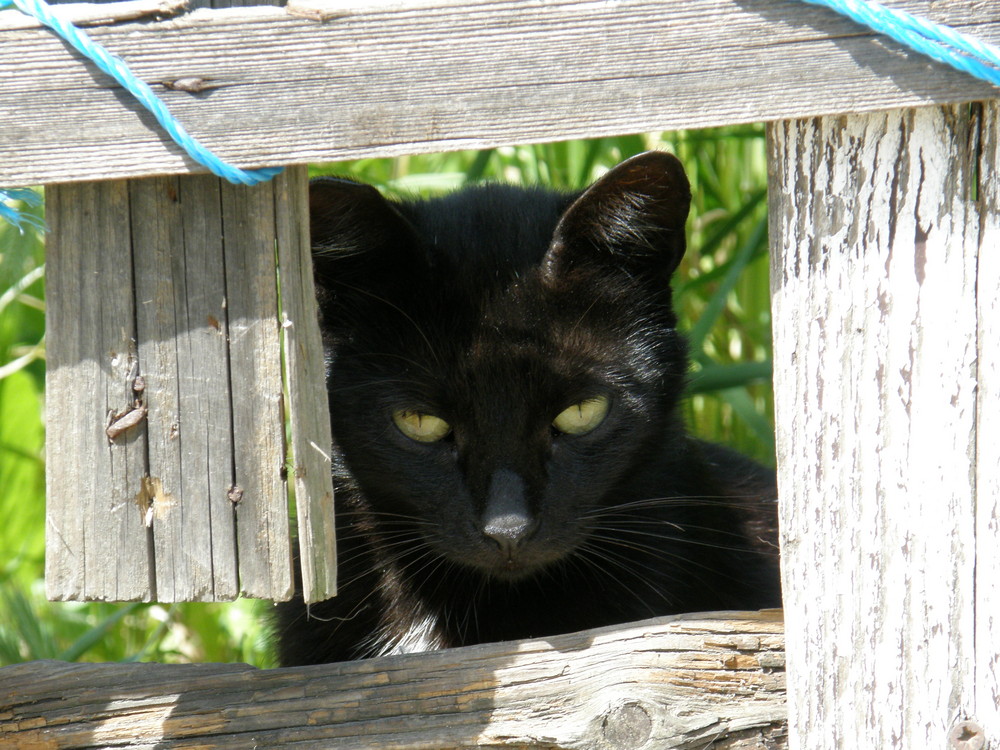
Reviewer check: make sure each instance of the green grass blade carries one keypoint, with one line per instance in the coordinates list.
(715, 377)
(96, 634)
(743, 406)
(717, 302)
(477, 169)
(731, 224)
(25, 627)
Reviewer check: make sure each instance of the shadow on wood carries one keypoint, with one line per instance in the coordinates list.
(693, 681)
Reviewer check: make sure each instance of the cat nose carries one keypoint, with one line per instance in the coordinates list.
(508, 532)
(506, 518)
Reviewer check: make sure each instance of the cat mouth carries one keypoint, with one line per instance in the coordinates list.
(518, 564)
(513, 570)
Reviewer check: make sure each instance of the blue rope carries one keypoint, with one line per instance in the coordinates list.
(14, 216)
(942, 43)
(118, 70)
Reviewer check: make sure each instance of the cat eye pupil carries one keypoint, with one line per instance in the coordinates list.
(420, 426)
(582, 417)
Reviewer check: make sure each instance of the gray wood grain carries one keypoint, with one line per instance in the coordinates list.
(305, 374)
(93, 482)
(97, 13)
(385, 79)
(987, 669)
(694, 681)
(262, 520)
(181, 315)
(197, 487)
(877, 236)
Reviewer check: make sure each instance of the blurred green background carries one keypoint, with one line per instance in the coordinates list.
(721, 292)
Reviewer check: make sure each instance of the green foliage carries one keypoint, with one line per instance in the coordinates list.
(722, 295)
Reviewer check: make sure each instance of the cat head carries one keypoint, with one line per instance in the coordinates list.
(502, 360)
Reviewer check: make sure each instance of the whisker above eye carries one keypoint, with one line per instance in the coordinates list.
(654, 530)
(406, 316)
(724, 502)
(368, 384)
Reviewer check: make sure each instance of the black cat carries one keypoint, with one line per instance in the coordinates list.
(504, 374)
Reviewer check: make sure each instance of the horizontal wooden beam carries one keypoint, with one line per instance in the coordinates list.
(98, 14)
(694, 681)
(337, 80)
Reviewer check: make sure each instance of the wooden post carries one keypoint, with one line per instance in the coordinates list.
(885, 280)
(987, 634)
(188, 501)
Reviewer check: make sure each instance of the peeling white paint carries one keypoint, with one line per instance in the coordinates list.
(875, 245)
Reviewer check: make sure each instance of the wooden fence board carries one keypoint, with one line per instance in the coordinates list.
(693, 681)
(181, 314)
(386, 78)
(90, 330)
(305, 374)
(263, 534)
(875, 243)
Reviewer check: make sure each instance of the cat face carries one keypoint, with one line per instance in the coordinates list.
(501, 359)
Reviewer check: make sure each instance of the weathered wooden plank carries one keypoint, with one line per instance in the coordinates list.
(98, 14)
(262, 521)
(181, 324)
(305, 374)
(91, 503)
(389, 78)
(694, 681)
(875, 245)
(196, 487)
(987, 708)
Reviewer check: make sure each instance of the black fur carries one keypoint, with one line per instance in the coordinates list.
(495, 308)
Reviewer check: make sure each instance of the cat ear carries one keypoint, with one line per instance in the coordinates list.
(353, 226)
(631, 218)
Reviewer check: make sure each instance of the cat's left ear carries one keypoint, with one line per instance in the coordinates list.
(632, 218)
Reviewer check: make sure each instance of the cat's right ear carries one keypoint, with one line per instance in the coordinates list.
(354, 228)
(631, 219)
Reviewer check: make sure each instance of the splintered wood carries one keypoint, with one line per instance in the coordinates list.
(167, 462)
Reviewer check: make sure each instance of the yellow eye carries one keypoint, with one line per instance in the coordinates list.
(581, 418)
(424, 428)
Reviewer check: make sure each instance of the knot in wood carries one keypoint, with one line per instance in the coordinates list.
(967, 735)
(190, 84)
(627, 726)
